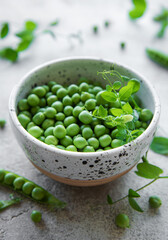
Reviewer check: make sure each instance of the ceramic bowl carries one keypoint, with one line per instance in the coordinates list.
(78, 168)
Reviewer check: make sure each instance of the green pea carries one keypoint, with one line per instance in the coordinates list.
(9, 178)
(69, 120)
(85, 117)
(30, 124)
(122, 220)
(2, 123)
(85, 96)
(61, 93)
(28, 114)
(67, 101)
(95, 121)
(83, 87)
(38, 193)
(60, 147)
(48, 131)
(59, 131)
(99, 99)
(88, 149)
(42, 110)
(115, 104)
(42, 102)
(36, 216)
(47, 123)
(51, 99)
(72, 89)
(35, 131)
(99, 150)
(87, 132)
(80, 142)
(107, 148)
(38, 118)
(71, 148)
(105, 140)
(99, 130)
(39, 91)
(41, 138)
(33, 100)
(46, 87)
(23, 105)
(27, 187)
(34, 110)
(59, 123)
(55, 88)
(97, 89)
(84, 126)
(51, 140)
(144, 125)
(80, 104)
(77, 110)
(48, 94)
(24, 120)
(155, 202)
(60, 116)
(58, 106)
(138, 124)
(116, 143)
(2, 174)
(66, 141)
(50, 112)
(18, 183)
(68, 111)
(90, 104)
(145, 115)
(93, 142)
(51, 84)
(76, 98)
(72, 129)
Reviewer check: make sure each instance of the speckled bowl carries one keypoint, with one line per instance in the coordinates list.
(77, 168)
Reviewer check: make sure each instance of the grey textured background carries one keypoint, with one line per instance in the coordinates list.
(87, 216)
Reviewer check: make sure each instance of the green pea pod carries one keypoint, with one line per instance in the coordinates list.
(7, 203)
(158, 57)
(29, 189)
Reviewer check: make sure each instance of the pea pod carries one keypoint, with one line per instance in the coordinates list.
(29, 189)
(158, 57)
(7, 203)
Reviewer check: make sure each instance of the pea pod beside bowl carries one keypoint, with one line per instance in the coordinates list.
(82, 168)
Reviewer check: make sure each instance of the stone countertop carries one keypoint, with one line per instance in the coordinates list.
(87, 216)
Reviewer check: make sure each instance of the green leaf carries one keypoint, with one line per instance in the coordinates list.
(109, 96)
(125, 93)
(108, 88)
(102, 111)
(30, 25)
(95, 112)
(4, 30)
(23, 45)
(134, 204)
(9, 54)
(148, 170)
(162, 16)
(117, 112)
(138, 10)
(117, 85)
(162, 30)
(109, 200)
(51, 33)
(135, 85)
(122, 133)
(127, 108)
(133, 194)
(125, 78)
(54, 23)
(127, 118)
(25, 35)
(160, 145)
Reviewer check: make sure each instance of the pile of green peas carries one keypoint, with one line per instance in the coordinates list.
(62, 117)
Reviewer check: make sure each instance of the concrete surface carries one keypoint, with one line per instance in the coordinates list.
(87, 216)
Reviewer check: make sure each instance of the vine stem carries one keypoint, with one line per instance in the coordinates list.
(139, 189)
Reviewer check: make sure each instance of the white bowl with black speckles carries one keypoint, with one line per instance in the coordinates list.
(78, 168)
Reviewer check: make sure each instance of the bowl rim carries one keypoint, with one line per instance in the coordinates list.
(13, 115)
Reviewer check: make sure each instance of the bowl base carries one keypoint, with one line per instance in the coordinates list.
(81, 183)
